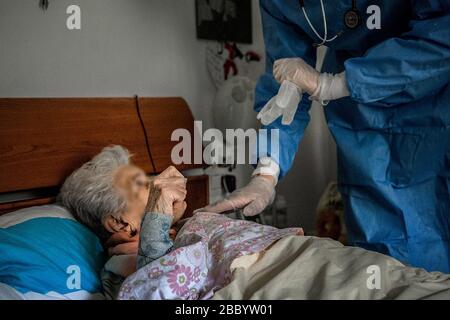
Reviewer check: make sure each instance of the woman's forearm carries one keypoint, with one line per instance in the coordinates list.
(154, 241)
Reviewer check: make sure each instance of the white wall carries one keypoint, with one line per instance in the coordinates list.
(145, 47)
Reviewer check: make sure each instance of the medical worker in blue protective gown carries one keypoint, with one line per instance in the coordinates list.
(386, 96)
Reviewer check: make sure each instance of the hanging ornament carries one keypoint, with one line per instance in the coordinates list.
(43, 4)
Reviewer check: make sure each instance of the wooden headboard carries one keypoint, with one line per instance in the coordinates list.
(43, 140)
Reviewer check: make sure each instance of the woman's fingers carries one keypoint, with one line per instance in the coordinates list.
(124, 248)
(163, 182)
(170, 172)
(176, 193)
(120, 237)
(179, 209)
(172, 234)
(166, 189)
(179, 206)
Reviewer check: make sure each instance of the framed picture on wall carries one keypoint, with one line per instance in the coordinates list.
(224, 20)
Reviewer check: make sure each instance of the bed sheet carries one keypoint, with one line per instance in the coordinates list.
(320, 268)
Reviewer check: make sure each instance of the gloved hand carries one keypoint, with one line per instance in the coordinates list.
(284, 104)
(297, 71)
(331, 87)
(253, 198)
(321, 87)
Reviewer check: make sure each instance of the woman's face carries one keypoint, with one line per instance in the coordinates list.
(133, 183)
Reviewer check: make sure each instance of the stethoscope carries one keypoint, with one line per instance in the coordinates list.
(352, 19)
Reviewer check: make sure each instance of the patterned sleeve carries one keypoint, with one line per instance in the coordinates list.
(154, 240)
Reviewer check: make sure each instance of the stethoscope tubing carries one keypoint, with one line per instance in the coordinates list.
(324, 39)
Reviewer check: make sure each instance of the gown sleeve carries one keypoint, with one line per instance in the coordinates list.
(409, 67)
(283, 40)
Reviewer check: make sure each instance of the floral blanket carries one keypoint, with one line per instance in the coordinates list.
(199, 265)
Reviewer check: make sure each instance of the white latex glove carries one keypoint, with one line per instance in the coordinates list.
(284, 104)
(253, 198)
(331, 87)
(297, 71)
(321, 87)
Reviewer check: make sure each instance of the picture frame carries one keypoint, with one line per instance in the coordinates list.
(224, 20)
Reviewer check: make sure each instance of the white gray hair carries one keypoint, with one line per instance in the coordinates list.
(89, 192)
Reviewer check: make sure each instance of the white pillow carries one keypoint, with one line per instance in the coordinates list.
(22, 215)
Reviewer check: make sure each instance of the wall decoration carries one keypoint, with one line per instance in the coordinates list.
(43, 4)
(228, 60)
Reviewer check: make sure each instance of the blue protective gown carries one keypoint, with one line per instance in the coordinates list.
(393, 132)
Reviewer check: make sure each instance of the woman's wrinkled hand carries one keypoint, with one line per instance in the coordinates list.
(178, 210)
(120, 243)
(167, 193)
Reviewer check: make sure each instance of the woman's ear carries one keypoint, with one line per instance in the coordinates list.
(114, 225)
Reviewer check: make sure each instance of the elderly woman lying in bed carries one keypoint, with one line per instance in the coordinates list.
(210, 253)
(118, 201)
(110, 194)
(115, 199)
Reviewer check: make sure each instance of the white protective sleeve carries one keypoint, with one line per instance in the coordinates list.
(267, 166)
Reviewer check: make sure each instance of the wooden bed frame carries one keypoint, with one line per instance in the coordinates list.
(43, 140)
